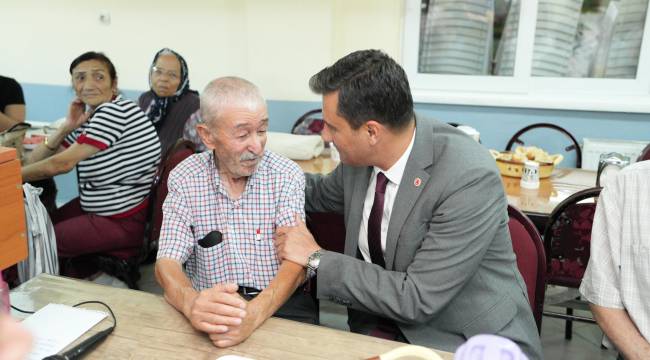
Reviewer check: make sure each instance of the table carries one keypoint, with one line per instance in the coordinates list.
(318, 165)
(552, 191)
(149, 328)
(537, 202)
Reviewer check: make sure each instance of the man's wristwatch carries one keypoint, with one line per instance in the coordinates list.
(314, 260)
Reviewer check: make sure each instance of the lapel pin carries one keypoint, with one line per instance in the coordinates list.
(417, 182)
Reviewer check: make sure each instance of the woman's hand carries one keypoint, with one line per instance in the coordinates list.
(77, 115)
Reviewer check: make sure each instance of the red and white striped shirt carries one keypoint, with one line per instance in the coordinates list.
(117, 179)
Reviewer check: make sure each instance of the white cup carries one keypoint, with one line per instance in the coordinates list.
(530, 176)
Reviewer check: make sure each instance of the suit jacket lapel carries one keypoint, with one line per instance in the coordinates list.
(414, 181)
(355, 213)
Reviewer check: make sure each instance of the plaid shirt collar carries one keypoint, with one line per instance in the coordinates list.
(215, 178)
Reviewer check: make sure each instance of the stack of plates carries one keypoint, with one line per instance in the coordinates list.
(505, 57)
(623, 55)
(457, 37)
(555, 33)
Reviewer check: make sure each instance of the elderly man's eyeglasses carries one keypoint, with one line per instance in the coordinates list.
(160, 72)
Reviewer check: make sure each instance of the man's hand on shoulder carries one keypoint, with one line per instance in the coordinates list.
(217, 309)
(295, 243)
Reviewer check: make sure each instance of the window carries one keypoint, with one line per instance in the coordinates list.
(563, 54)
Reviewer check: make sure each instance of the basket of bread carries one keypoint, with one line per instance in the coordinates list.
(511, 163)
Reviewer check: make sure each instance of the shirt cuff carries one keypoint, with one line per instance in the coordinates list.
(84, 139)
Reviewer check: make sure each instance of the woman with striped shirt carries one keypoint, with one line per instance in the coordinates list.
(116, 151)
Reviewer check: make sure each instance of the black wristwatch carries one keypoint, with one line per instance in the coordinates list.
(314, 260)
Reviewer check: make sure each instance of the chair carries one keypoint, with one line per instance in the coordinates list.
(612, 159)
(645, 154)
(328, 229)
(515, 139)
(567, 240)
(124, 264)
(531, 259)
(310, 123)
(179, 152)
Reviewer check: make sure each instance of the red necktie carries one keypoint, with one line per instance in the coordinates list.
(374, 221)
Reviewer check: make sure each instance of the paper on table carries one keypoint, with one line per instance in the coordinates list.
(56, 326)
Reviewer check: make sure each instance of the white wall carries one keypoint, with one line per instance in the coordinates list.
(277, 44)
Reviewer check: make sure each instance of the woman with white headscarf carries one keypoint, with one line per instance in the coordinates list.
(170, 102)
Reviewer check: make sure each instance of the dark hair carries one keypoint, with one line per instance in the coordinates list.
(371, 85)
(92, 55)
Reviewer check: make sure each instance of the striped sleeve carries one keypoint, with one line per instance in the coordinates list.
(107, 125)
(71, 138)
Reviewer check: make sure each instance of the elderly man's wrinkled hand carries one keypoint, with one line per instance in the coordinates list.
(241, 332)
(295, 243)
(217, 309)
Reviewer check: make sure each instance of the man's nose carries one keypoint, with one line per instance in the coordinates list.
(256, 145)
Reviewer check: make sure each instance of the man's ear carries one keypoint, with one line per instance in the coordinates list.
(374, 131)
(206, 136)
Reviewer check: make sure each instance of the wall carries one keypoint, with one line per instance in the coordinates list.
(276, 44)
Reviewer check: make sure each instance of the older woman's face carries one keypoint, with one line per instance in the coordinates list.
(166, 75)
(92, 83)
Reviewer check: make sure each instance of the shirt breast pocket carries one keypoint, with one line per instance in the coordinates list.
(212, 261)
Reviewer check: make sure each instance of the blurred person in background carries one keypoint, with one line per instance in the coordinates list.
(170, 102)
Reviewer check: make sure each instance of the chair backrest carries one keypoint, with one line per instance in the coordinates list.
(310, 123)
(645, 154)
(328, 230)
(567, 238)
(515, 139)
(177, 153)
(531, 259)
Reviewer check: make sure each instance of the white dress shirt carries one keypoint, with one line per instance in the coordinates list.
(618, 272)
(394, 176)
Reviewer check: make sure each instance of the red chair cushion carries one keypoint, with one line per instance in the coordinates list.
(328, 230)
(570, 244)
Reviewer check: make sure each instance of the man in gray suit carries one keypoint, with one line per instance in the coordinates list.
(428, 257)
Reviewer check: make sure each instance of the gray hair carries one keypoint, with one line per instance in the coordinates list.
(228, 91)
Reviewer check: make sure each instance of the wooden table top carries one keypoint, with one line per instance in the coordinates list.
(319, 165)
(552, 191)
(562, 184)
(149, 328)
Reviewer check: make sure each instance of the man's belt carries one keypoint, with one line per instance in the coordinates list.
(248, 292)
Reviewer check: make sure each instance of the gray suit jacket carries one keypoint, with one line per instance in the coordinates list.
(450, 268)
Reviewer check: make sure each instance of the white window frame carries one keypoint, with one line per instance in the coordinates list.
(522, 89)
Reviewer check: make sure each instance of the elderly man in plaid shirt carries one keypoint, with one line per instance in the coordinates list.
(220, 215)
